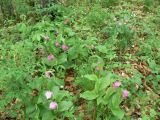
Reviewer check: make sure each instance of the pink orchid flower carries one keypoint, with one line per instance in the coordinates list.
(53, 105)
(97, 68)
(116, 84)
(125, 93)
(65, 47)
(50, 57)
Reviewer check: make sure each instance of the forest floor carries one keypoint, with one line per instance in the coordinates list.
(79, 52)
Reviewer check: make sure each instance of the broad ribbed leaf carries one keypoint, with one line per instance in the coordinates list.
(89, 95)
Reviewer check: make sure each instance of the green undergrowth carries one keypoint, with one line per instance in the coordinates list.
(106, 42)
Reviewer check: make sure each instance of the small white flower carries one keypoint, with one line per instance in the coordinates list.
(48, 94)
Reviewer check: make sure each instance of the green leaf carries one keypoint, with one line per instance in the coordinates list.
(118, 112)
(117, 98)
(137, 79)
(101, 85)
(65, 105)
(21, 27)
(40, 100)
(102, 49)
(85, 84)
(100, 100)
(71, 33)
(109, 93)
(72, 52)
(97, 86)
(62, 58)
(114, 103)
(104, 83)
(89, 95)
(152, 64)
(91, 77)
(30, 109)
(36, 36)
(61, 95)
(47, 115)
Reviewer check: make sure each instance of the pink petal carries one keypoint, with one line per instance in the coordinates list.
(53, 105)
(97, 68)
(116, 84)
(50, 57)
(125, 93)
(65, 47)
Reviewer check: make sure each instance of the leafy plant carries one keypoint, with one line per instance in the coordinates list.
(104, 95)
(95, 60)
